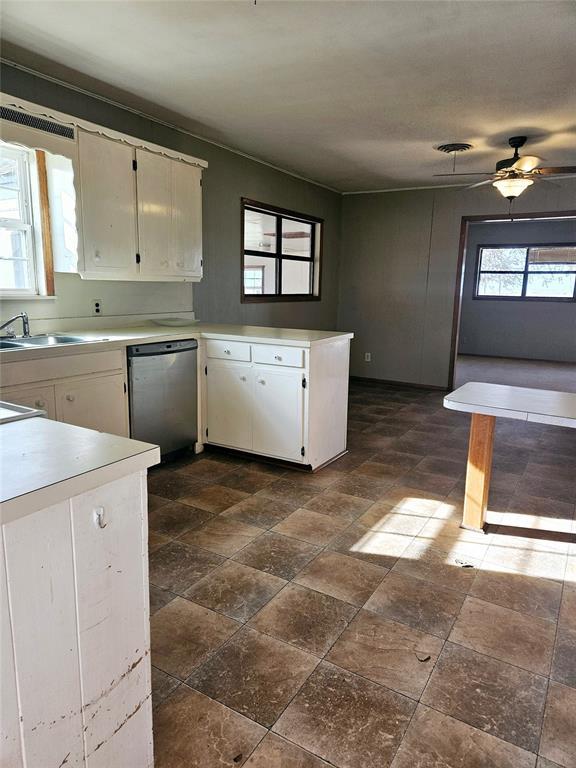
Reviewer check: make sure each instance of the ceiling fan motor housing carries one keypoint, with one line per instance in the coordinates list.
(515, 142)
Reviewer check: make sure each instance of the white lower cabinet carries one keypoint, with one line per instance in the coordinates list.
(93, 396)
(283, 402)
(97, 403)
(40, 397)
(229, 405)
(278, 413)
(76, 620)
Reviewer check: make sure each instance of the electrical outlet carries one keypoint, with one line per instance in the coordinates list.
(367, 357)
(97, 307)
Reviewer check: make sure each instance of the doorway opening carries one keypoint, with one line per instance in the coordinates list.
(515, 305)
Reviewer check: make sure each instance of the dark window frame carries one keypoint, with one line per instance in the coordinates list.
(315, 258)
(525, 272)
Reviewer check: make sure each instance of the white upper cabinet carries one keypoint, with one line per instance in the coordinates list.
(169, 217)
(108, 193)
(141, 213)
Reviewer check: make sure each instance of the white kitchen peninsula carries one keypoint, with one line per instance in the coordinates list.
(74, 664)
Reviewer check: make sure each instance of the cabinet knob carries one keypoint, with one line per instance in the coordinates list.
(261, 381)
(39, 403)
(70, 398)
(99, 517)
(277, 357)
(96, 255)
(242, 378)
(227, 352)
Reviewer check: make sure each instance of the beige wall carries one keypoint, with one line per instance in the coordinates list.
(398, 273)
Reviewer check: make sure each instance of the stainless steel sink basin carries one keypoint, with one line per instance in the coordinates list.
(10, 344)
(42, 340)
(49, 340)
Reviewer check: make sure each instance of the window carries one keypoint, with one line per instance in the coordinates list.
(281, 254)
(21, 237)
(543, 272)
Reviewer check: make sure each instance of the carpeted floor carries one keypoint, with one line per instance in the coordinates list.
(518, 373)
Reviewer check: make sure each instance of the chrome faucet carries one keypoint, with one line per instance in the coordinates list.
(10, 333)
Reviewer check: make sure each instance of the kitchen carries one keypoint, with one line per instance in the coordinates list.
(243, 522)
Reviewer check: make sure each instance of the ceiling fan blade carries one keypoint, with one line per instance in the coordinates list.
(480, 184)
(472, 173)
(556, 171)
(526, 163)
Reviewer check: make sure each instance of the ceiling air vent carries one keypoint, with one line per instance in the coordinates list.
(32, 121)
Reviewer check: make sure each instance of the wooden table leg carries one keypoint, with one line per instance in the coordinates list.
(478, 471)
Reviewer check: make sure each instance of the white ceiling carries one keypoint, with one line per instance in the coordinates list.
(352, 94)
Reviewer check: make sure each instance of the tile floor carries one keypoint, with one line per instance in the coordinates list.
(344, 619)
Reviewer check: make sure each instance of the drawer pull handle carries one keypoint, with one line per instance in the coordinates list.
(99, 517)
(261, 381)
(70, 398)
(242, 378)
(277, 357)
(39, 403)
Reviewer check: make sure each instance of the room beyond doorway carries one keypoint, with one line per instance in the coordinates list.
(517, 303)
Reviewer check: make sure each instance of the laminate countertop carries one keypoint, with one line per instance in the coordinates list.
(107, 338)
(43, 462)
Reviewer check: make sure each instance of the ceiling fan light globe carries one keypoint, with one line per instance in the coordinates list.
(512, 188)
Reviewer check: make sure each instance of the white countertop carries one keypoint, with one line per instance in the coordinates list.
(114, 337)
(44, 461)
(537, 405)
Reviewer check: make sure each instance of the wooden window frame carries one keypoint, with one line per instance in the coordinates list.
(525, 273)
(38, 228)
(315, 259)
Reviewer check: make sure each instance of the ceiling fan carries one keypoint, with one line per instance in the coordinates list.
(515, 174)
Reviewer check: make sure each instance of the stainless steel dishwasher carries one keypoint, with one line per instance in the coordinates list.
(164, 394)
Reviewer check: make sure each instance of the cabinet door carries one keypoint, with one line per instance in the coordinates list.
(108, 185)
(187, 219)
(154, 181)
(278, 413)
(40, 397)
(98, 403)
(111, 561)
(169, 217)
(229, 405)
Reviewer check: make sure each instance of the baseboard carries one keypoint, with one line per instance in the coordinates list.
(519, 359)
(394, 383)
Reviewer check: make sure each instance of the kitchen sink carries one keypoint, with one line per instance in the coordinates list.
(49, 340)
(42, 340)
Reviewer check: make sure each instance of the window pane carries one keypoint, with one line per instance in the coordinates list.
(555, 259)
(259, 231)
(551, 286)
(266, 266)
(296, 276)
(12, 244)
(500, 285)
(505, 259)
(14, 266)
(296, 238)
(10, 204)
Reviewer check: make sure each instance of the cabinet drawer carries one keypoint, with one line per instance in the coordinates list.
(228, 350)
(271, 355)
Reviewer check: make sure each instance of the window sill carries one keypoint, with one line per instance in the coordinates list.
(259, 299)
(25, 297)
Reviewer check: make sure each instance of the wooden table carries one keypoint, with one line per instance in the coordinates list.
(486, 402)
